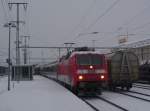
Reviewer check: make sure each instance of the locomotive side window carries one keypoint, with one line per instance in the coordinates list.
(89, 59)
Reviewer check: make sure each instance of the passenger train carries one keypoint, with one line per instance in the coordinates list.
(83, 70)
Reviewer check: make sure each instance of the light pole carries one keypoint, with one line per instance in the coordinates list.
(25, 48)
(9, 25)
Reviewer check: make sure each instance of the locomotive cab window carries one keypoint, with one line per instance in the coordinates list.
(83, 60)
(89, 59)
(96, 59)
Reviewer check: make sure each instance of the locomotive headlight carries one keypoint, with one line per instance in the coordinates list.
(80, 77)
(102, 76)
(82, 71)
(91, 67)
(100, 71)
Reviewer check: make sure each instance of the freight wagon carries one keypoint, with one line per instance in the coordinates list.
(123, 69)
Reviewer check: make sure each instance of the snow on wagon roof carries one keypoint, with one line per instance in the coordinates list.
(85, 52)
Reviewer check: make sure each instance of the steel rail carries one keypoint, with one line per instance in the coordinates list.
(113, 104)
(92, 106)
(136, 97)
(139, 93)
(142, 87)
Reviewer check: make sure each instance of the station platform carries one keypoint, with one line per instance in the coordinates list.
(41, 94)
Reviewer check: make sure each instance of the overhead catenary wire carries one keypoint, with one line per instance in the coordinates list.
(99, 17)
(134, 17)
(103, 14)
(141, 26)
(83, 18)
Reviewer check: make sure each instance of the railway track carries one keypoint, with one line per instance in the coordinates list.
(139, 93)
(143, 82)
(113, 104)
(104, 100)
(141, 86)
(127, 93)
(136, 97)
(92, 106)
(97, 97)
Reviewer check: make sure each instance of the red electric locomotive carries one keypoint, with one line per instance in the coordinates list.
(83, 70)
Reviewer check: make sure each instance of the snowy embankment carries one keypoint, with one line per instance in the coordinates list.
(40, 94)
(3, 84)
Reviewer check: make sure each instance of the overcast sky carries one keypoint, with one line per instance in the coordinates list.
(53, 22)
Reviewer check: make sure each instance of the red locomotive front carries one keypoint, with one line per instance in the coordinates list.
(83, 71)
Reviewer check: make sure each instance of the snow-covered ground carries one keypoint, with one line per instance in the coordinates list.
(126, 102)
(129, 103)
(3, 84)
(144, 91)
(132, 104)
(41, 94)
(145, 85)
(102, 106)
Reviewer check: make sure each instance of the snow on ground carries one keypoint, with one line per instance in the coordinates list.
(138, 95)
(103, 106)
(3, 84)
(41, 94)
(127, 102)
(146, 85)
(144, 91)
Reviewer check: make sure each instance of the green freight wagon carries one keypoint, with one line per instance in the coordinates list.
(123, 69)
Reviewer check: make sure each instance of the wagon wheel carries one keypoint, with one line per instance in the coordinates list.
(110, 87)
(127, 88)
(122, 87)
(114, 88)
(75, 90)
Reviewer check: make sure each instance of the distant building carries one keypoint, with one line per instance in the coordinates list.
(141, 49)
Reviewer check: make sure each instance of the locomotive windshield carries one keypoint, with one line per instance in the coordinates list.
(89, 59)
